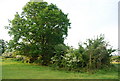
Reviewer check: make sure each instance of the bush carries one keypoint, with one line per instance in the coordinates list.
(39, 60)
(95, 55)
(7, 55)
(19, 58)
(26, 59)
(60, 51)
(71, 61)
(22, 58)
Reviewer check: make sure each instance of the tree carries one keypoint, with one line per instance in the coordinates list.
(38, 29)
(98, 52)
(2, 46)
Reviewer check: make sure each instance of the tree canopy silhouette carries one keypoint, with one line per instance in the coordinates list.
(38, 29)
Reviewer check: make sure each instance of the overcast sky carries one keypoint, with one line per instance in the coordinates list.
(88, 18)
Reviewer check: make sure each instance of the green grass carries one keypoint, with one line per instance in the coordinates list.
(17, 70)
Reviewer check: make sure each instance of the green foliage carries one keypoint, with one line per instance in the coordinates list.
(72, 60)
(95, 55)
(38, 29)
(38, 60)
(19, 58)
(60, 51)
(98, 53)
(39, 32)
(7, 55)
(3, 46)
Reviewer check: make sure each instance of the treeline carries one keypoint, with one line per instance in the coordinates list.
(38, 37)
(91, 55)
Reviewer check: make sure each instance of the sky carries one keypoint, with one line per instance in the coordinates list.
(88, 18)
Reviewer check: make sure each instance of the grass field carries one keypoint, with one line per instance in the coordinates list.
(17, 70)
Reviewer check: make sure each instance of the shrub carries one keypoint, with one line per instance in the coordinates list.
(22, 58)
(19, 57)
(60, 51)
(72, 60)
(26, 59)
(7, 55)
(95, 55)
(39, 60)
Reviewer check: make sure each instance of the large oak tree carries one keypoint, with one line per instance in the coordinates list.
(38, 29)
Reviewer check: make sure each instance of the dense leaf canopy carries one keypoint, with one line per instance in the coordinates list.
(38, 29)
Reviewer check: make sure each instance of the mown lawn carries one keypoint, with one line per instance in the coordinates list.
(16, 70)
